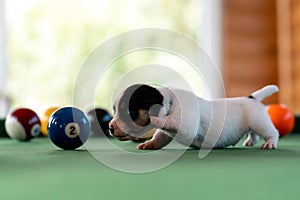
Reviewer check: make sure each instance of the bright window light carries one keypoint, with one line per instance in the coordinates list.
(48, 41)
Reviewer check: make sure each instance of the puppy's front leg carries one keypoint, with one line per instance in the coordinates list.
(158, 141)
(169, 122)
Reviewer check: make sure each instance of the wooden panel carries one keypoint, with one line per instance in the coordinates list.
(249, 46)
(288, 23)
(295, 52)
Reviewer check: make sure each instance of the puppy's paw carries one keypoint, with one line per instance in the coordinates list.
(148, 145)
(269, 144)
(251, 140)
(248, 143)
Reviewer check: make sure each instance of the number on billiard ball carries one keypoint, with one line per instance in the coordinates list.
(72, 130)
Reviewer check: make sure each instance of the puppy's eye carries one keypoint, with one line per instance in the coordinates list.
(133, 115)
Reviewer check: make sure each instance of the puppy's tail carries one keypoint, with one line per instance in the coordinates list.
(266, 91)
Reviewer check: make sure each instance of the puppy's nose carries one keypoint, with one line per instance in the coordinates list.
(111, 130)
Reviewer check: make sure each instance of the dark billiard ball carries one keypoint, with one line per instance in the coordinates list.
(68, 128)
(99, 119)
(22, 124)
(282, 118)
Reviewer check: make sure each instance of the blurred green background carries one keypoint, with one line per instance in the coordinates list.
(48, 41)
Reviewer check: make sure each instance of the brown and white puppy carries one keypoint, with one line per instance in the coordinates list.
(191, 120)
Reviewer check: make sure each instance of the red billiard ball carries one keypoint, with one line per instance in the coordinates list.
(22, 124)
(282, 118)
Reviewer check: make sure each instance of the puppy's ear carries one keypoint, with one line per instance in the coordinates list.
(140, 97)
(145, 97)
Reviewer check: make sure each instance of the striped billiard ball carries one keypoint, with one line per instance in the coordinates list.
(22, 124)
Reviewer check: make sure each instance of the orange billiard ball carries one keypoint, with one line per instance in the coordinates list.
(282, 118)
(45, 118)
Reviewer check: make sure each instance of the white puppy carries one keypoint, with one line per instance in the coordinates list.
(191, 120)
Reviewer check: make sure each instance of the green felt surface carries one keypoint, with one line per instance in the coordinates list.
(39, 170)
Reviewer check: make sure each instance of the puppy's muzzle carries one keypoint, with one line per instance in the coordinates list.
(111, 130)
(115, 131)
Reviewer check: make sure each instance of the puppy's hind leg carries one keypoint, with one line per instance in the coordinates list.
(263, 126)
(251, 140)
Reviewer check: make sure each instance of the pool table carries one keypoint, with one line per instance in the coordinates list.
(39, 170)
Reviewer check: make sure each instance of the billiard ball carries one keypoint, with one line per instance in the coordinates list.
(282, 118)
(68, 128)
(22, 124)
(99, 119)
(45, 118)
